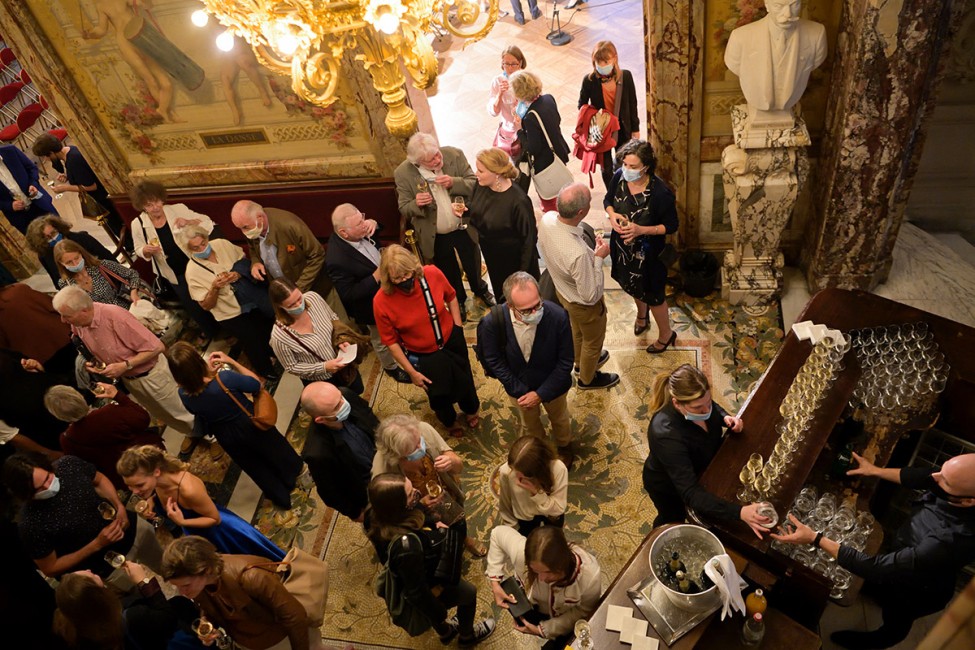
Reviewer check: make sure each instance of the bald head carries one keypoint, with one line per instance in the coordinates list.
(574, 202)
(249, 216)
(321, 400)
(957, 478)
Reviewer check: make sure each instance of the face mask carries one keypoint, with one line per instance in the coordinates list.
(632, 175)
(297, 311)
(344, 411)
(255, 232)
(205, 253)
(406, 285)
(420, 452)
(699, 417)
(504, 73)
(54, 240)
(604, 70)
(521, 109)
(535, 317)
(75, 269)
(49, 492)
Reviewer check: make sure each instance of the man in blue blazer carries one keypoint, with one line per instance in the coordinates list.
(21, 198)
(532, 357)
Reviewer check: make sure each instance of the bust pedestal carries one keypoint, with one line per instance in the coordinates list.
(762, 174)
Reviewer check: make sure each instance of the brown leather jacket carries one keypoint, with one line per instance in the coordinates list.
(253, 605)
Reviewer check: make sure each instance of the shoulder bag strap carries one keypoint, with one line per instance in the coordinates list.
(299, 342)
(231, 396)
(203, 266)
(123, 281)
(544, 132)
(498, 314)
(107, 275)
(432, 312)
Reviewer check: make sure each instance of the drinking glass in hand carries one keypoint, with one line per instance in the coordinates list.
(115, 560)
(107, 511)
(458, 203)
(767, 510)
(422, 186)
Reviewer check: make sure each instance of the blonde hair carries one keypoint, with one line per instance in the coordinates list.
(396, 261)
(603, 51)
(66, 246)
(147, 459)
(65, 403)
(497, 161)
(189, 557)
(685, 384)
(526, 85)
(394, 437)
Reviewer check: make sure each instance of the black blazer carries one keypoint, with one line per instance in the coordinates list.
(592, 93)
(351, 274)
(533, 140)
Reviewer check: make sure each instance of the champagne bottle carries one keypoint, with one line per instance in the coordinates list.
(683, 584)
(753, 631)
(676, 564)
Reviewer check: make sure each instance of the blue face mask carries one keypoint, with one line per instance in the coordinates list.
(205, 253)
(521, 109)
(420, 451)
(535, 317)
(604, 70)
(344, 411)
(54, 240)
(75, 269)
(632, 175)
(699, 417)
(297, 311)
(49, 492)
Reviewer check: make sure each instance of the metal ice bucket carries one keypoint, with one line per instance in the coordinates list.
(672, 537)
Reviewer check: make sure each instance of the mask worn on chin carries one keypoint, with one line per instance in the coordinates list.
(297, 311)
(521, 109)
(632, 175)
(699, 417)
(344, 411)
(75, 269)
(535, 317)
(203, 254)
(406, 285)
(49, 492)
(420, 452)
(54, 240)
(604, 70)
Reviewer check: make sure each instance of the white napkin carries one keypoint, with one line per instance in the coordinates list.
(729, 584)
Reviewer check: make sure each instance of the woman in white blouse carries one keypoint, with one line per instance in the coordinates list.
(303, 337)
(534, 485)
(155, 237)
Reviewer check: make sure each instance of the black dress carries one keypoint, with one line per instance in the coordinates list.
(505, 223)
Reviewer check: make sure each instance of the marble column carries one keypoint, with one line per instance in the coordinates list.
(890, 58)
(763, 172)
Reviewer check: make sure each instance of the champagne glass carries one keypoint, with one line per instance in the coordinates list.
(142, 509)
(107, 511)
(115, 560)
(434, 489)
(583, 633)
(202, 628)
(458, 202)
(422, 186)
(767, 510)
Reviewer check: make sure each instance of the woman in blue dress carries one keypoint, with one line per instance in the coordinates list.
(166, 483)
(265, 455)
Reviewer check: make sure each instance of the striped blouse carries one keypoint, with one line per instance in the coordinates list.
(293, 356)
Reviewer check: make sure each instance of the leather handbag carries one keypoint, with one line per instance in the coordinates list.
(90, 208)
(265, 409)
(390, 588)
(448, 569)
(553, 178)
(305, 577)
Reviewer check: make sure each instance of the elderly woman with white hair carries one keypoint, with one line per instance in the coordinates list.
(427, 182)
(540, 135)
(407, 446)
(220, 285)
(100, 435)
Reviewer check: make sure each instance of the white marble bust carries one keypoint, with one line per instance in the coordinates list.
(774, 56)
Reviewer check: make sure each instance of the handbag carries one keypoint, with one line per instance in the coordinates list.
(90, 208)
(553, 178)
(448, 569)
(305, 577)
(265, 414)
(389, 587)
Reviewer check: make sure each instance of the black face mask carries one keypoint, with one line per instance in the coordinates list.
(406, 285)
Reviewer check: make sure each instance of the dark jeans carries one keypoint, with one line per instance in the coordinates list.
(670, 507)
(208, 325)
(899, 609)
(525, 527)
(451, 377)
(516, 7)
(463, 596)
(446, 249)
(253, 330)
(535, 617)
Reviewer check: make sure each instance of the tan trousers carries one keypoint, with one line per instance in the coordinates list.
(558, 415)
(158, 393)
(588, 332)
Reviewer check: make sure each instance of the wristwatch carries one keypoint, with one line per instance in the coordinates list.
(815, 542)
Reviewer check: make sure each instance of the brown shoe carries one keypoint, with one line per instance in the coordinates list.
(567, 455)
(216, 451)
(186, 449)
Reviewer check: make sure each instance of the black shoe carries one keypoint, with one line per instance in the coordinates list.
(482, 631)
(567, 455)
(399, 375)
(520, 19)
(603, 358)
(601, 380)
(463, 313)
(653, 349)
(536, 13)
(488, 299)
(454, 628)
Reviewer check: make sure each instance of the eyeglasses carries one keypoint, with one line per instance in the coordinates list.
(530, 310)
(511, 65)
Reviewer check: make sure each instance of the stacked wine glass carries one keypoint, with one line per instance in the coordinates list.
(903, 372)
(838, 520)
(761, 481)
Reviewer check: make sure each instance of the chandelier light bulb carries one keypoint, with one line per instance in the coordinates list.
(388, 22)
(225, 41)
(200, 18)
(287, 44)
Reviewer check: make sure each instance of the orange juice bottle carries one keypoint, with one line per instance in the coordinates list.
(755, 603)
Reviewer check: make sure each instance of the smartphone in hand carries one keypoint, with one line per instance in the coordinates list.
(522, 605)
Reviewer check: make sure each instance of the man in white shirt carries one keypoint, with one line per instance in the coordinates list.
(577, 273)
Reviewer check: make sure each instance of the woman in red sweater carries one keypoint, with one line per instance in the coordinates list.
(432, 352)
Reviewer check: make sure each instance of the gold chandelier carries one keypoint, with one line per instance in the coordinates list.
(305, 39)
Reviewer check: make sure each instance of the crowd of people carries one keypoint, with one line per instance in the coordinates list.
(87, 379)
